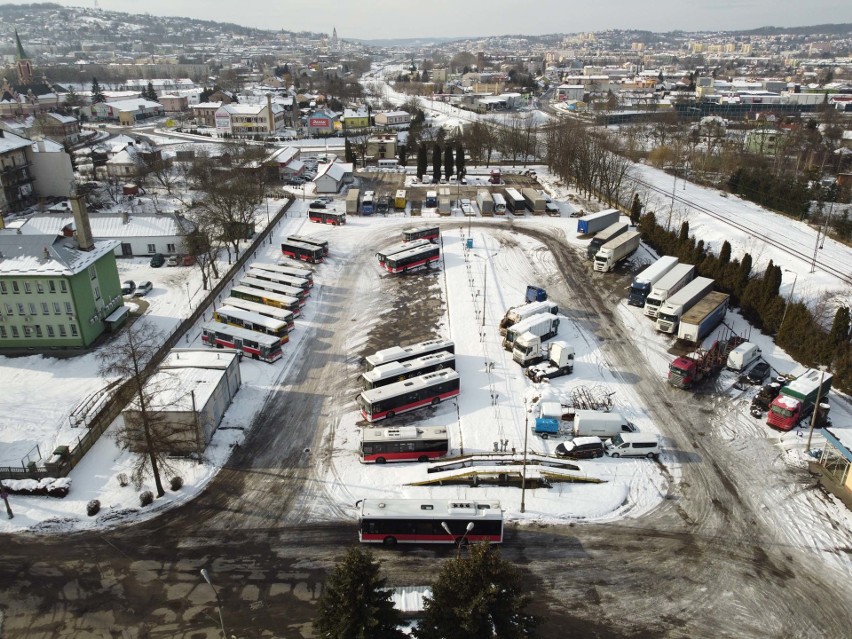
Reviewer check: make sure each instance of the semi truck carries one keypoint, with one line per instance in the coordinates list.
(698, 322)
(688, 370)
(603, 425)
(616, 251)
(644, 282)
(797, 399)
(535, 201)
(609, 233)
(352, 198)
(560, 361)
(673, 308)
(485, 202)
(671, 283)
(542, 326)
(529, 349)
(520, 313)
(594, 222)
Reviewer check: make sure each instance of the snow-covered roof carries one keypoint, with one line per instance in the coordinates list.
(175, 387)
(198, 358)
(133, 104)
(110, 225)
(64, 119)
(47, 146)
(206, 105)
(335, 170)
(11, 142)
(47, 254)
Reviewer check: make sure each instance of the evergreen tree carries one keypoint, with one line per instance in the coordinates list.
(150, 93)
(837, 336)
(480, 596)
(347, 151)
(97, 93)
(460, 161)
(436, 164)
(743, 274)
(684, 232)
(448, 162)
(355, 603)
(403, 155)
(422, 162)
(635, 210)
(725, 253)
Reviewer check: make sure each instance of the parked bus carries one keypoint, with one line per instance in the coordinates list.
(302, 252)
(405, 353)
(399, 200)
(267, 297)
(274, 312)
(274, 287)
(397, 371)
(257, 345)
(499, 204)
(298, 274)
(310, 241)
(422, 521)
(515, 202)
(368, 203)
(279, 278)
(380, 445)
(421, 233)
(400, 248)
(387, 163)
(424, 390)
(412, 259)
(327, 216)
(431, 201)
(252, 321)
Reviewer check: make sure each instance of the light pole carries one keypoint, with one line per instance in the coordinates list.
(188, 298)
(461, 539)
(524, 467)
(789, 297)
(206, 576)
(816, 407)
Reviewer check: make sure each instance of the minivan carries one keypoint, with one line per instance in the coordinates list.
(634, 445)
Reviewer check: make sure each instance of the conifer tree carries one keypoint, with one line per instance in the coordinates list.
(422, 162)
(449, 164)
(684, 232)
(436, 164)
(97, 92)
(460, 170)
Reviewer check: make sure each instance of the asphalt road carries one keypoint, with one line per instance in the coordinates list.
(710, 562)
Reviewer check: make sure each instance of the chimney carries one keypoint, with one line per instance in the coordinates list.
(125, 216)
(269, 116)
(81, 221)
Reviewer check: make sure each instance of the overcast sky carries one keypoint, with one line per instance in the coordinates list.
(368, 19)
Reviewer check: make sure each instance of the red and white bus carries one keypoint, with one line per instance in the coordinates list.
(422, 521)
(266, 348)
(301, 273)
(279, 278)
(424, 390)
(421, 233)
(398, 371)
(405, 353)
(380, 445)
(382, 256)
(413, 258)
(273, 312)
(267, 297)
(281, 289)
(252, 321)
(310, 241)
(326, 216)
(301, 251)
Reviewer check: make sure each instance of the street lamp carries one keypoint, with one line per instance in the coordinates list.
(188, 298)
(206, 576)
(789, 297)
(461, 539)
(524, 467)
(816, 407)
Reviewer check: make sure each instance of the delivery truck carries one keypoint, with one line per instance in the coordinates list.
(671, 283)
(603, 425)
(352, 199)
(594, 222)
(699, 321)
(519, 313)
(673, 308)
(485, 202)
(560, 361)
(609, 233)
(616, 251)
(644, 282)
(541, 326)
(797, 399)
(535, 201)
(529, 349)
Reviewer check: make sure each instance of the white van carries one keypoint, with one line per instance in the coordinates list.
(603, 425)
(742, 357)
(634, 445)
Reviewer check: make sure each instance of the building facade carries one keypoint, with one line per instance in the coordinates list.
(16, 178)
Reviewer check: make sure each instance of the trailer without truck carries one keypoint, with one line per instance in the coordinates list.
(560, 361)
(796, 400)
(668, 317)
(546, 427)
(699, 321)
(603, 425)
(485, 203)
(616, 251)
(528, 348)
(672, 282)
(535, 201)
(499, 204)
(644, 282)
(352, 199)
(444, 201)
(520, 313)
(591, 224)
(694, 368)
(541, 326)
(609, 233)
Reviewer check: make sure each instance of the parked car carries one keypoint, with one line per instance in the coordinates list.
(158, 260)
(127, 287)
(173, 260)
(581, 448)
(143, 289)
(758, 373)
(466, 208)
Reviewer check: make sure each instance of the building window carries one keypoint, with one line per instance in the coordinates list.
(50, 330)
(51, 285)
(68, 308)
(57, 308)
(74, 330)
(38, 330)
(63, 286)
(45, 308)
(39, 287)
(28, 331)
(27, 288)
(15, 288)
(93, 272)
(3, 332)
(15, 332)
(97, 292)
(32, 309)
(9, 310)
(170, 248)
(62, 330)
(3, 287)
(21, 310)
(152, 248)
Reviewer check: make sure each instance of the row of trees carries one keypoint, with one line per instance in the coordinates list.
(453, 162)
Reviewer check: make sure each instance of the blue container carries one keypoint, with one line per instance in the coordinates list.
(470, 242)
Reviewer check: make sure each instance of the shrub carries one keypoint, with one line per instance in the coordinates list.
(146, 498)
(123, 480)
(176, 483)
(93, 507)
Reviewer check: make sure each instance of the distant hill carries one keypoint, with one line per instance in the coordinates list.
(404, 42)
(824, 29)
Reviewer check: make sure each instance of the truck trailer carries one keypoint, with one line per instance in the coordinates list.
(444, 201)
(644, 282)
(535, 201)
(542, 326)
(701, 319)
(560, 361)
(609, 233)
(485, 202)
(352, 199)
(616, 251)
(673, 308)
(594, 222)
(797, 399)
(520, 313)
(671, 283)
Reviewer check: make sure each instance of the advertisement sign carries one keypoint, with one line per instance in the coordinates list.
(319, 123)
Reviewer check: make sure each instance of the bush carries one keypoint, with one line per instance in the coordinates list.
(123, 480)
(93, 507)
(146, 498)
(50, 486)
(176, 483)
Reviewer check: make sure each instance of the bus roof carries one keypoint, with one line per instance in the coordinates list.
(421, 381)
(262, 309)
(270, 295)
(405, 246)
(250, 316)
(397, 352)
(242, 333)
(276, 276)
(302, 274)
(400, 193)
(431, 508)
(268, 285)
(406, 432)
(417, 250)
(392, 369)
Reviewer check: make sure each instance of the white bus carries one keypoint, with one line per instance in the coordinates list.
(387, 163)
(418, 392)
(280, 278)
(281, 289)
(382, 256)
(298, 273)
(397, 371)
(420, 257)
(274, 312)
(252, 321)
(405, 353)
(258, 345)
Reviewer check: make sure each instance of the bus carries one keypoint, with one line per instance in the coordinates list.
(431, 200)
(380, 445)
(281, 289)
(405, 353)
(266, 297)
(422, 521)
(310, 241)
(302, 252)
(499, 204)
(399, 200)
(258, 345)
(252, 321)
(421, 233)
(397, 371)
(387, 163)
(412, 259)
(367, 203)
(515, 202)
(382, 256)
(279, 278)
(274, 312)
(298, 274)
(418, 392)
(327, 216)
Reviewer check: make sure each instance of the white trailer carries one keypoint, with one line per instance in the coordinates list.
(673, 309)
(485, 202)
(671, 283)
(520, 313)
(616, 251)
(543, 326)
(642, 283)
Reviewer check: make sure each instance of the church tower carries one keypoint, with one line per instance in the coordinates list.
(335, 47)
(23, 64)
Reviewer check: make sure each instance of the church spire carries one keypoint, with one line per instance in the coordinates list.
(21, 54)
(23, 64)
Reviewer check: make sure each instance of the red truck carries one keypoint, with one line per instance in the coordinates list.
(691, 369)
(797, 399)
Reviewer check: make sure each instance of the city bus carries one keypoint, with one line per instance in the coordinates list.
(302, 252)
(274, 312)
(499, 204)
(413, 258)
(252, 321)
(431, 201)
(266, 348)
(422, 521)
(367, 203)
(281, 289)
(405, 353)
(310, 241)
(327, 216)
(418, 392)
(399, 200)
(303, 276)
(400, 248)
(515, 202)
(280, 278)
(421, 233)
(397, 371)
(266, 297)
(380, 445)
